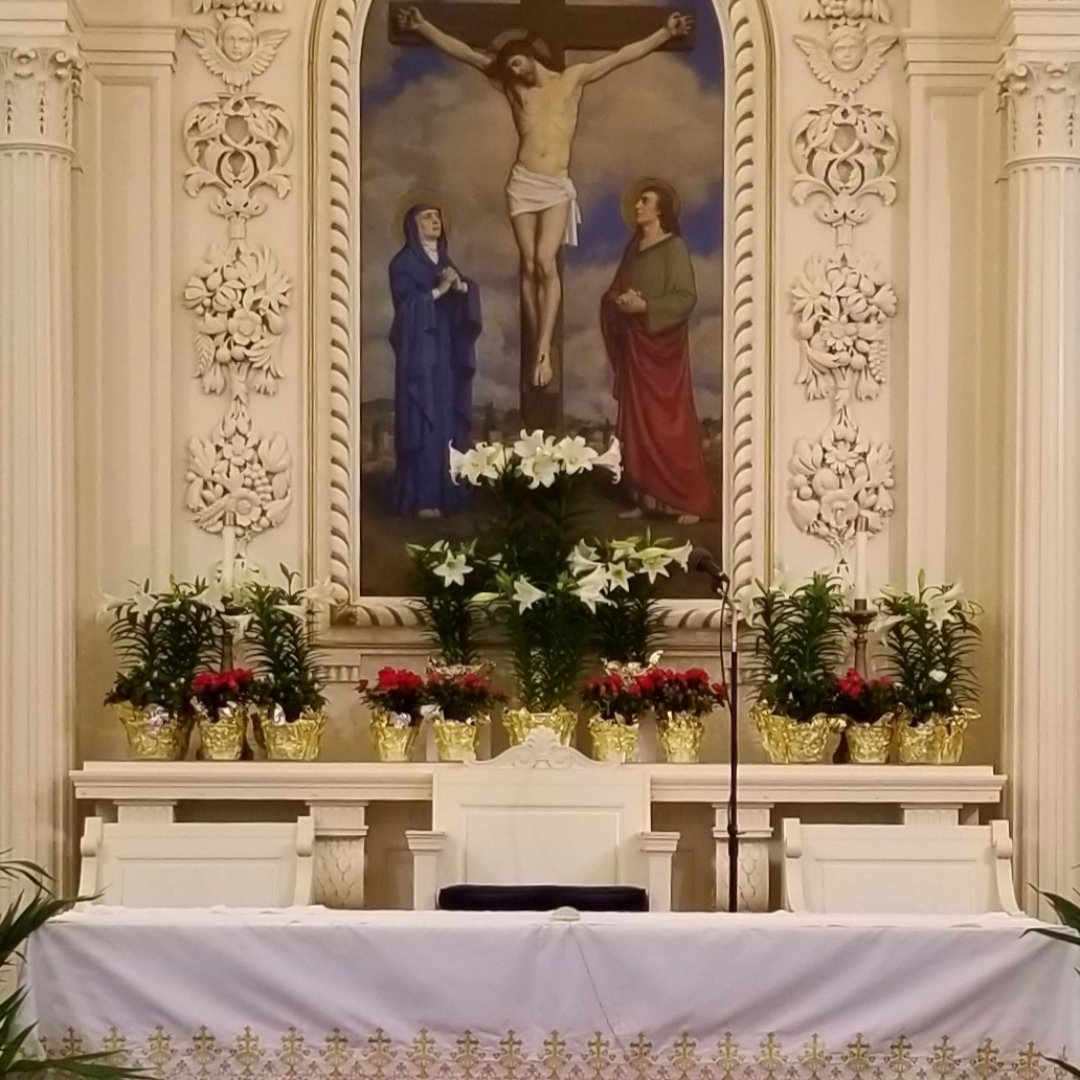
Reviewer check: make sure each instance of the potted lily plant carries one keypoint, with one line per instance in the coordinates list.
(398, 701)
(868, 707)
(680, 701)
(221, 700)
(800, 641)
(535, 486)
(617, 703)
(928, 637)
(461, 700)
(162, 639)
(288, 718)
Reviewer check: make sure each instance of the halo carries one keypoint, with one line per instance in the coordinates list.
(410, 199)
(630, 196)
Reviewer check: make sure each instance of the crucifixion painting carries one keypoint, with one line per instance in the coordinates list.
(524, 46)
(492, 134)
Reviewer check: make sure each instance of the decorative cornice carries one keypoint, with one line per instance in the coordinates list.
(38, 88)
(1039, 96)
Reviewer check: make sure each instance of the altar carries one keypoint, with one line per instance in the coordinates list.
(307, 992)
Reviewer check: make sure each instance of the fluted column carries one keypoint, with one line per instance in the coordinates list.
(38, 86)
(1040, 92)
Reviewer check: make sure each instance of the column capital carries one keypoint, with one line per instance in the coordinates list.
(1040, 94)
(38, 88)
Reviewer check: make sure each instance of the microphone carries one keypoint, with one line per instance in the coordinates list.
(701, 559)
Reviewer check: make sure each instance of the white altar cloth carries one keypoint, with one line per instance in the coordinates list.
(309, 992)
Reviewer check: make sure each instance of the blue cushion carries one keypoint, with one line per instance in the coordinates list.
(543, 898)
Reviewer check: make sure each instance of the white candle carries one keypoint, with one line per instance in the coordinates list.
(228, 536)
(861, 538)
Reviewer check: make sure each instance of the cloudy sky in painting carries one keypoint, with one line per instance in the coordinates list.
(433, 126)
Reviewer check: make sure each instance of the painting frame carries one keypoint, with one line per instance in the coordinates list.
(332, 383)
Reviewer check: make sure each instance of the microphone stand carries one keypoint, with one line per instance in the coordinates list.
(722, 588)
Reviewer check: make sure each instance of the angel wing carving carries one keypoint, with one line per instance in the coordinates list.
(236, 74)
(845, 83)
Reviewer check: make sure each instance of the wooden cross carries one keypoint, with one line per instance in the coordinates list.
(561, 26)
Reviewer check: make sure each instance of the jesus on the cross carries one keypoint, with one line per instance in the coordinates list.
(540, 195)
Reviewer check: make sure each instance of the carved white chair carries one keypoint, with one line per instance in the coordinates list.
(898, 869)
(187, 864)
(541, 814)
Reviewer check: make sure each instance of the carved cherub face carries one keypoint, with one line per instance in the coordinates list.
(237, 40)
(847, 48)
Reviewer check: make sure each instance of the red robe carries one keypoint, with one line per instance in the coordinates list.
(657, 423)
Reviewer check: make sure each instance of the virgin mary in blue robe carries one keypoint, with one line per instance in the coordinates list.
(434, 342)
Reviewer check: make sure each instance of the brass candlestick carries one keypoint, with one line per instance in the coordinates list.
(860, 616)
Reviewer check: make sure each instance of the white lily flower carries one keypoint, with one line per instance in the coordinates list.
(681, 555)
(938, 675)
(108, 605)
(541, 469)
(529, 445)
(457, 460)
(611, 459)
(624, 549)
(654, 563)
(575, 455)
(486, 597)
(526, 594)
(143, 601)
(213, 597)
(619, 575)
(475, 466)
(453, 570)
(320, 595)
(940, 608)
(885, 622)
(583, 558)
(590, 589)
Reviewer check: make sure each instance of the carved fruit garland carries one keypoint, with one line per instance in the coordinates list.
(845, 152)
(237, 144)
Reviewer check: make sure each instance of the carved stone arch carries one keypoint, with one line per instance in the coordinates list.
(333, 231)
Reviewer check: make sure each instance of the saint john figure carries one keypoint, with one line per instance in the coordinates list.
(644, 317)
(436, 324)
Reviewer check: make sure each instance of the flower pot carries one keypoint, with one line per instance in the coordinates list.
(519, 722)
(222, 738)
(153, 733)
(796, 742)
(394, 735)
(613, 740)
(680, 736)
(296, 740)
(938, 740)
(869, 744)
(456, 739)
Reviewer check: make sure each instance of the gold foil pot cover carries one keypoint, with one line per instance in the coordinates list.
(613, 740)
(519, 722)
(456, 739)
(296, 741)
(394, 735)
(223, 739)
(153, 733)
(680, 736)
(939, 740)
(794, 742)
(869, 744)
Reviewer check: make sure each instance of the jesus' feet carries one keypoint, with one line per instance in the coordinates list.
(543, 373)
(631, 515)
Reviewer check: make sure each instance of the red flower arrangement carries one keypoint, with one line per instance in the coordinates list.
(461, 696)
(864, 701)
(212, 690)
(397, 690)
(689, 691)
(616, 698)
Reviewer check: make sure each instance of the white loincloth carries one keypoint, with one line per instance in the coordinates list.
(528, 192)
